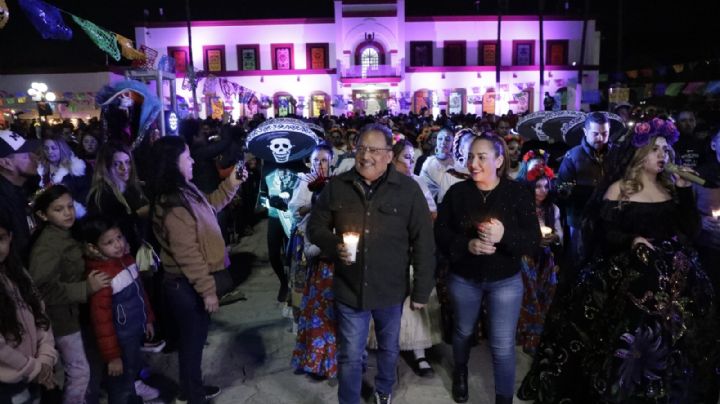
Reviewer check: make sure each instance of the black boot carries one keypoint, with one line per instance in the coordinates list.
(503, 399)
(460, 385)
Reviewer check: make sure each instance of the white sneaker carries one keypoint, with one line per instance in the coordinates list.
(146, 392)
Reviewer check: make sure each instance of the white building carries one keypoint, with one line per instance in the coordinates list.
(373, 55)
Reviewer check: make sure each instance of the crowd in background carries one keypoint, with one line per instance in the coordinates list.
(108, 252)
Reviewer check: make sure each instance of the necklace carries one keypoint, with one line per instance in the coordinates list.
(486, 195)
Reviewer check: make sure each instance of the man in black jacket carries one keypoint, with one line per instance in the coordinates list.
(17, 163)
(580, 172)
(389, 212)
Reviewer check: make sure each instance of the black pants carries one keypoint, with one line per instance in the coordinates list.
(187, 312)
(276, 242)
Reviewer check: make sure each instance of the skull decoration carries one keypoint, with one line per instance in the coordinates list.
(280, 148)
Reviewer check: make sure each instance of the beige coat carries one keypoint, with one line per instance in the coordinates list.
(192, 244)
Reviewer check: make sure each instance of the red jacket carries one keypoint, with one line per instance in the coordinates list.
(103, 307)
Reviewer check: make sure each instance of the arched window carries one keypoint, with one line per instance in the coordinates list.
(370, 54)
(369, 58)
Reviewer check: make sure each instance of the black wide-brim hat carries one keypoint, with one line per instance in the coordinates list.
(282, 140)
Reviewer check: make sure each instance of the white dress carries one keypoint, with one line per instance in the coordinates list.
(419, 329)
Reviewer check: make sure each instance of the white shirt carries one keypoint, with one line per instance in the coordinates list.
(301, 197)
(434, 173)
(426, 191)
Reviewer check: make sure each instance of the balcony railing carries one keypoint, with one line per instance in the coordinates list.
(363, 72)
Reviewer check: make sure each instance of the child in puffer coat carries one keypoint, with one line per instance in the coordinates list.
(120, 313)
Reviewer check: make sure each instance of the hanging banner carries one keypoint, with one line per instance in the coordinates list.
(659, 90)
(127, 49)
(46, 19)
(488, 103)
(674, 89)
(103, 38)
(694, 87)
(217, 108)
(646, 72)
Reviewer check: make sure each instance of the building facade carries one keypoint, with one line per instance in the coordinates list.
(371, 56)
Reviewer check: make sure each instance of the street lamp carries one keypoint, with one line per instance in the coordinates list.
(40, 94)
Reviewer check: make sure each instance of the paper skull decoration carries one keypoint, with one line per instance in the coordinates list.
(281, 148)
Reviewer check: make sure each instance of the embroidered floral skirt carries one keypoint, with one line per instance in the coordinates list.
(540, 276)
(316, 347)
(637, 327)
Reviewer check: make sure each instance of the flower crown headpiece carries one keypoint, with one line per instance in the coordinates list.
(540, 171)
(396, 137)
(513, 138)
(532, 155)
(657, 127)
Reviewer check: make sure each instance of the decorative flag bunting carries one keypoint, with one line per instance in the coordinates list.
(128, 50)
(674, 89)
(46, 19)
(104, 39)
(713, 87)
(694, 87)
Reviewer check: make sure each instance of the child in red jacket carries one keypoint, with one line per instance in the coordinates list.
(120, 313)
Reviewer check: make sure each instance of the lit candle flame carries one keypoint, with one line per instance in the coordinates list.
(545, 230)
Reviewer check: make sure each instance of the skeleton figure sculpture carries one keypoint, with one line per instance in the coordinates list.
(281, 148)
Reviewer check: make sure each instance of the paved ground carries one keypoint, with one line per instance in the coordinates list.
(250, 345)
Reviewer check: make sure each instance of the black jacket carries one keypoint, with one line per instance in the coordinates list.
(14, 203)
(395, 231)
(584, 168)
(463, 207)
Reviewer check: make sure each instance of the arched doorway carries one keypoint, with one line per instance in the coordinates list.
(456, 102)
(319, 102)
(284, 104)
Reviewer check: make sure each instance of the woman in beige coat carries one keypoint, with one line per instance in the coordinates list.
(192, 252)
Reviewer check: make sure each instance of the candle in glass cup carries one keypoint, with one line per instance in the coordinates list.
(716, 213)
(351, 241)
(545, 230)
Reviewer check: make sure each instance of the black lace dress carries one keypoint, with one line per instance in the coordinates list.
(636, 327)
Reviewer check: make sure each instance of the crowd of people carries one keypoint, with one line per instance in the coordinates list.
(397, 233)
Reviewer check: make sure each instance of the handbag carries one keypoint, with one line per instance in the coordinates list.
(146, 258)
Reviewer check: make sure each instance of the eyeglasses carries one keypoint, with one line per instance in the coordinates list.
(375, 151)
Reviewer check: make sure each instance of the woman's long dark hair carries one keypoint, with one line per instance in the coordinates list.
(13, 269)
(42, 202)
(166, 186)
(547, 207)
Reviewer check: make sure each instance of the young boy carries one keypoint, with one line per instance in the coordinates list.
(120, 313)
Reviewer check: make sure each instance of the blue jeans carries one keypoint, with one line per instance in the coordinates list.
(121, 389)
(352, 333)
(187, 312)
(504, 298)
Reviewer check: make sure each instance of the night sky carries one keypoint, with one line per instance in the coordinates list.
(655, 32)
